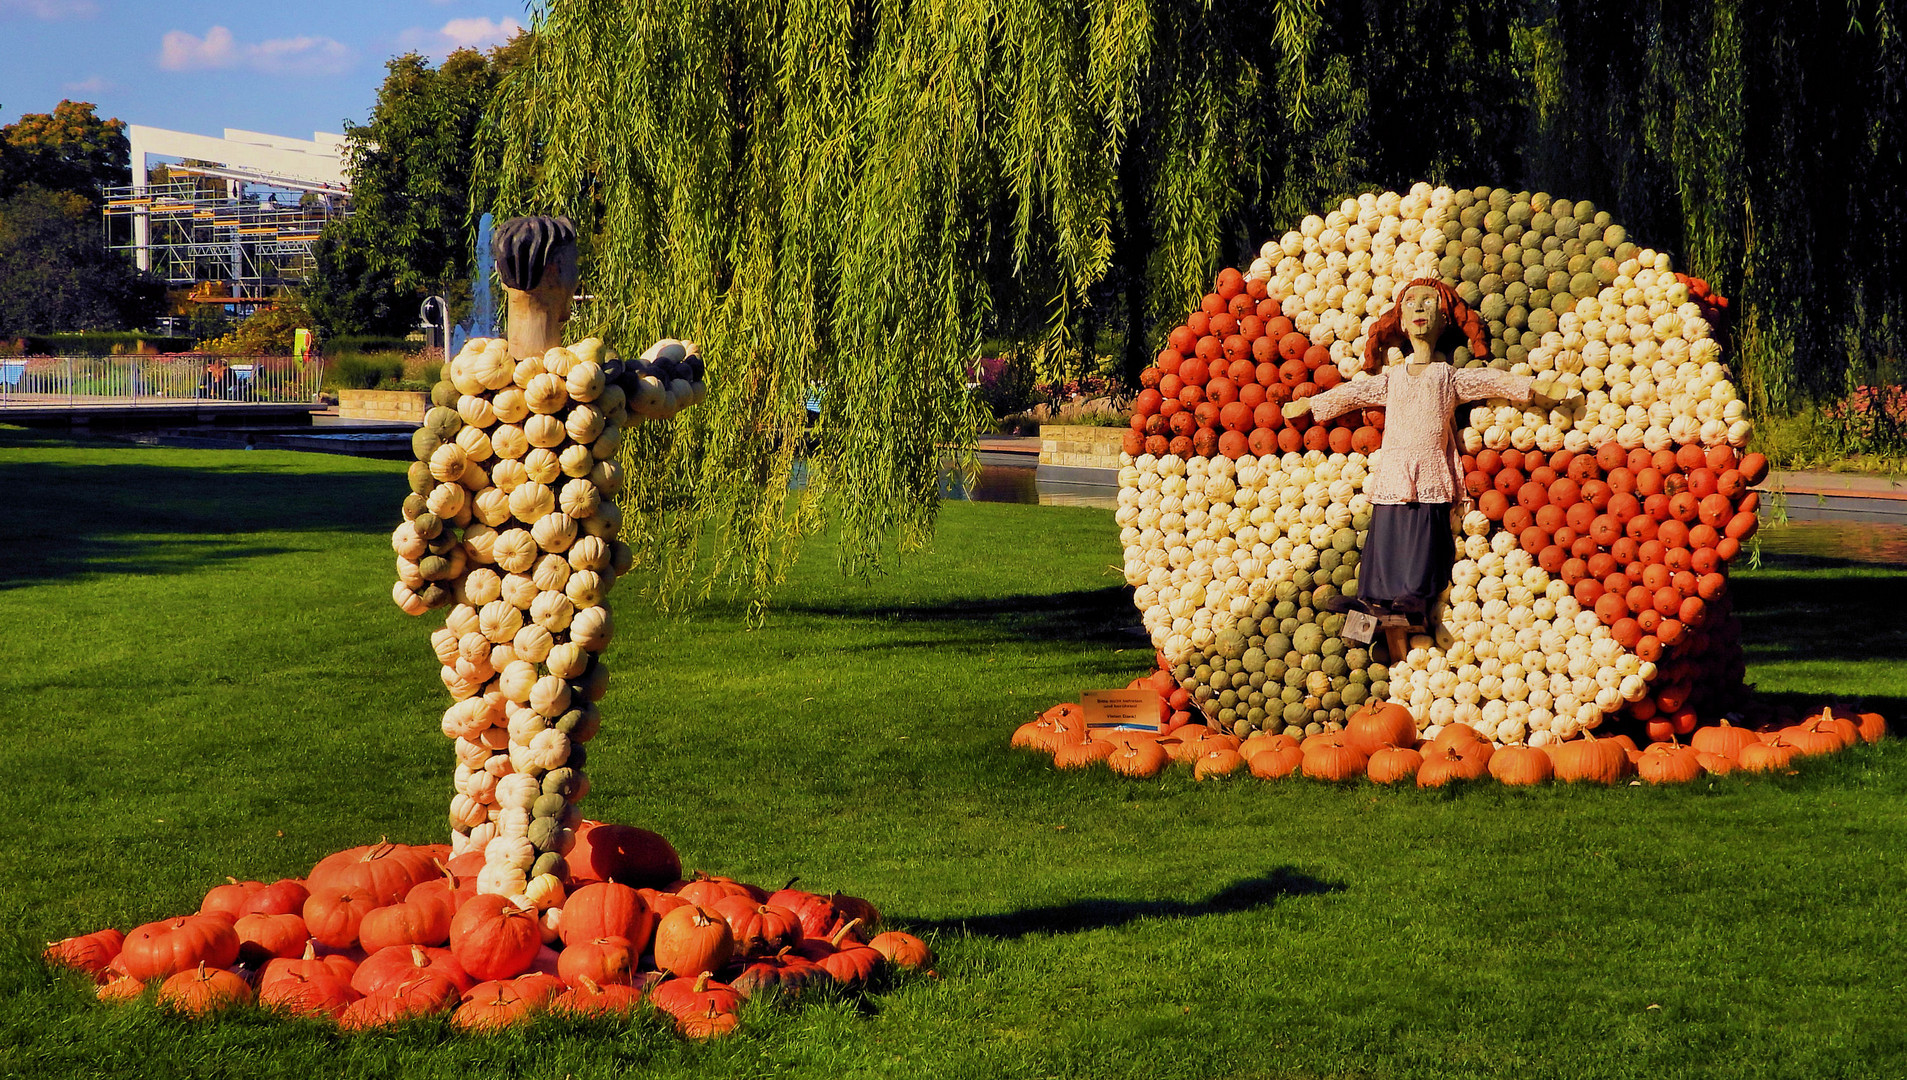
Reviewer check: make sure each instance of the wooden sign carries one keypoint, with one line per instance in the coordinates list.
(1359, 627)
(1121, 710)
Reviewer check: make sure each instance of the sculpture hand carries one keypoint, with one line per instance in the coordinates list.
(1295, 409)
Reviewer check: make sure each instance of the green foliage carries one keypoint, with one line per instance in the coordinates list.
(824, 213)
(69, 149)
(56, 274)
(408, 235)
(102, 343)
(271, 332)
(361, 371)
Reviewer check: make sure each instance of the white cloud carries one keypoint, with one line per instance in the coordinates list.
(97, 84)
(180, 51)
(50, 9)
(466, 33)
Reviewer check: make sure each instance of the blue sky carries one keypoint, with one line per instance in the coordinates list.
(286, 68)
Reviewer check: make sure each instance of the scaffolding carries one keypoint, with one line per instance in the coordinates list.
(254, 242)
(235, 218)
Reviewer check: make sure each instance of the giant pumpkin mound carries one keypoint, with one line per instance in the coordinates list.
(1590, 592)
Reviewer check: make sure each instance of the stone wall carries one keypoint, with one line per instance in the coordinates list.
(1081, 447)
(407, 406)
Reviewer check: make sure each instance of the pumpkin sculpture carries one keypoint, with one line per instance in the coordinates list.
(511, 524)
(1590, 581)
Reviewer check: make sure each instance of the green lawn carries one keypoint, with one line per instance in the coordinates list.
(206, 676)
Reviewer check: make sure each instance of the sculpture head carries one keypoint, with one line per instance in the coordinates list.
(523, 247)
(1425, 310)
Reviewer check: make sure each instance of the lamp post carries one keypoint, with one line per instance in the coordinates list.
(441, 324)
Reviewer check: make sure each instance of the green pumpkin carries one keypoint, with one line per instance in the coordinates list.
(563, 781)
(434, 568)
(428, 525)
(620, 557)
(580, 724)
(578, 755)
(424, 443)
(436, 596)
(415, 506)
(444, 421)
(548, 806)
(421, 480)
(549, 862)
(445, 393)
(545, 833)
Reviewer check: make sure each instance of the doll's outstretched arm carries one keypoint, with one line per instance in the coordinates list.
(1475, 384)
(1357, 394)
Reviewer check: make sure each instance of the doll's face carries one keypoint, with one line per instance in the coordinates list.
(1423, 317)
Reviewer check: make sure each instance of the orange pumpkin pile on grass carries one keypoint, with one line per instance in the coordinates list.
(1380, 743)
(384, 934)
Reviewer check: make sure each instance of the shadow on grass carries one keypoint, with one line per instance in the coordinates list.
(1823, 618)
(1247, 895)
(1084, 615)
(132, 518)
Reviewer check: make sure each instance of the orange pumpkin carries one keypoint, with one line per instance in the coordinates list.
(163, 948)
(491, 1007)
(1775, 756)
(1667, 763)
(308, 964)
(691, 941)
(1521, 766)
(759, 929)
(262, 938)
(1394, 764)
(1216, 762)
(1816, 737)
(384, 870)
(1081, 753)
(586, 997)
(683, 997)
(1873, 726)
(1275, 762)
(334, 915)
(1448, 764)
(903, 950)
(1715, 764)
(285, 896)
(90, 953)
(229, 899)
(121, 990)
(316, 997)
(1379, 724)
(606, 909)
(1590, 760)
(203, 990)
(1139, 759)
(1723, 739)
(492, 938)
(391, 967)
(1333, 759)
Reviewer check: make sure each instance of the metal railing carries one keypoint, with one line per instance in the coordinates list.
(157, 380)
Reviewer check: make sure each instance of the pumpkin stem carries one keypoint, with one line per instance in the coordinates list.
(589, 984)
(231, 879)
(701, 982)
(418, 959)
(841, 934)
(791, 883)
(311, 949)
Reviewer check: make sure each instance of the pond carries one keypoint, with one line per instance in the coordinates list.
(1017, 484)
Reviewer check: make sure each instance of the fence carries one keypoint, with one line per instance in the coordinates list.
(157, 380)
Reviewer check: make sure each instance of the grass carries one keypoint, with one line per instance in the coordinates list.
(202, 674)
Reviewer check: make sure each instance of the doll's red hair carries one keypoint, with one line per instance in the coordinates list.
(1461, 326)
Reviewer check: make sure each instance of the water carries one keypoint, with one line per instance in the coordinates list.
(1804, 542)
(1017, 484)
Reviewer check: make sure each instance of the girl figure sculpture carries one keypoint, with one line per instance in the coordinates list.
(1417, 477)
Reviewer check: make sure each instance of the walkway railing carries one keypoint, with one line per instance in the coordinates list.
(157, 380)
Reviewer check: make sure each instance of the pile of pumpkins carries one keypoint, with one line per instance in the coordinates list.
(1240, 527)
(1381, 743)
(387, 934)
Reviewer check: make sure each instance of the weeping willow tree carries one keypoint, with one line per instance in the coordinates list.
(824, 196)
(837, 200)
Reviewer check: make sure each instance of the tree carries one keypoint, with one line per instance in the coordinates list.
(56, 274)
(69, 149)
(408, 234)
